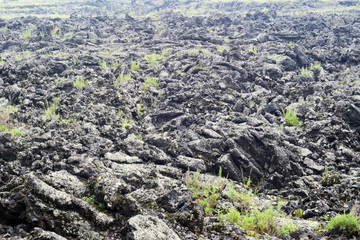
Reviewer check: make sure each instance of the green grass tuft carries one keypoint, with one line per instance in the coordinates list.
(51, 110)
(291, 117)
(345, 223)
(150, 81)
(80, 83)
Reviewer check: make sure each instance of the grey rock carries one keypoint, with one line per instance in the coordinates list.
(41, 234)
(121, 157)
(193, 164)
(311, 164)
(146, 227)
(287, 64)
(64, 181)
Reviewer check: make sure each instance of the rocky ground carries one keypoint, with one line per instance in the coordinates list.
(106, 118)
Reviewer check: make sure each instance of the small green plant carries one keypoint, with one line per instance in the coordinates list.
(127, 38)
(16, 132)
(51, 110)
(99, 164)
(139, 137)
(152, 59)
(244, 197)
(286, 229)
(68, 35)
(56, 32)
(205, 52)
(222, 48)
(265, 10)
(103, 64)
(344, 223)
(276, 57)
(257, 222)
(299, 213)
(6, 124)
(253, 49)
(80, 83)
(91, 199)
(139, 111)
(205, 193)
(3, 29)
(60, 80)
(329, 179)
(122, 78)
(150, 81)
(115, 64)
(2, 60)
(315, 66)
(125, 122)
(134, 66)
(26, 54)
(291, 43)
(194, 52)
(26, 34)
(305, 71)
(106, 53)
(166, 53)
(249, 217)
(74, 60)
(291, 117)
(18, 57)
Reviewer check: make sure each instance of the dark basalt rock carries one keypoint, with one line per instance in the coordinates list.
(103, 150)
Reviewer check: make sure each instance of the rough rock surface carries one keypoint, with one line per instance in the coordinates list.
(101, 148)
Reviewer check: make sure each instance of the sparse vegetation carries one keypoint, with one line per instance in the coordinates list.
(222, 48)
(134, 66)
(80, 83)
(18, 57)
(59, 80)
(125, 122)
(291, 116)
(115, 64)
(139, 111)
(205, 193)
(253, 50)
(329, 179)
(166, 53)
(205, 52)
(103, 63)
(152, 59)
(194, 52)
(344, 223)
(26, 34)
(3, 29)
(91, 199)
(51, 110)
(265, 10)
(298, 213)
(150, 81)
(305, 71)
(56, 32)
(7, 123)
(253, 220)
(315, 66)
(122, 78)
(2, 60)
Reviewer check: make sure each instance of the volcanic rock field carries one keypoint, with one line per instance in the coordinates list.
(153, 123)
